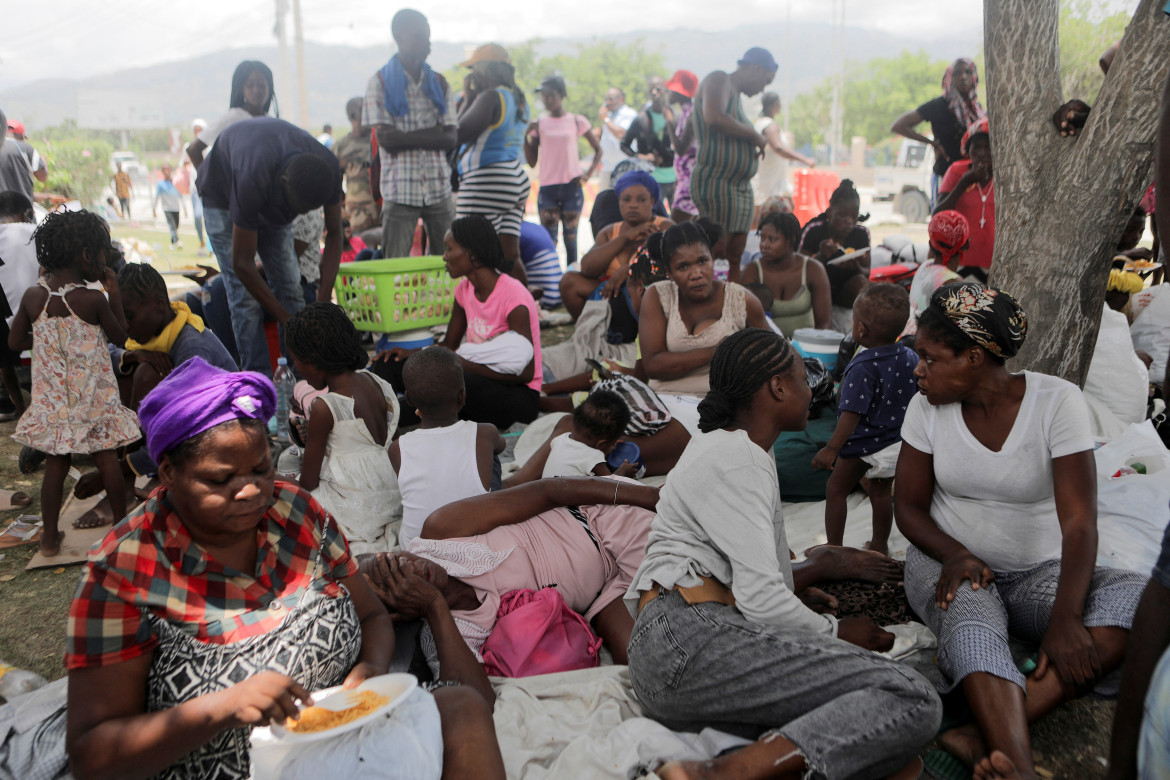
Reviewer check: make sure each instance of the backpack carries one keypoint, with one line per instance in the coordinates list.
(537, 633)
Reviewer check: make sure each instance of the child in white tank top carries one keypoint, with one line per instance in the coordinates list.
(446, 459)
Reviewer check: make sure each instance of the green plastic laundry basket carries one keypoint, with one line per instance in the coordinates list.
(388, 296)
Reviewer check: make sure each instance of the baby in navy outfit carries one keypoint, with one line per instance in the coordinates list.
(875, 390)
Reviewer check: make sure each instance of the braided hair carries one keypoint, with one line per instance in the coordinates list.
(786, 224)
(322, 335)
(742, 364)
(142, 280)
(647, 266)
(65, 235)
(476, 234)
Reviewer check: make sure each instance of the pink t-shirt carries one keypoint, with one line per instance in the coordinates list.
(489, 318)
(551, 549)
(559, 161)
(972, 206)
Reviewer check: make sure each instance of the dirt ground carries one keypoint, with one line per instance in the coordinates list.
(1072, 742)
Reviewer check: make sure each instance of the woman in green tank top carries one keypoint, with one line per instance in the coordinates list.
(799, 284)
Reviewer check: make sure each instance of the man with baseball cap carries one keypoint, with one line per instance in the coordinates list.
(37, 163)
(680, 92)
(15, 171)
(729, 148)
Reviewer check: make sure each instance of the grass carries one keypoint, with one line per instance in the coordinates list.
(35, 603)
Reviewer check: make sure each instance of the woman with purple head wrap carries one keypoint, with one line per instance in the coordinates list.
(216, 604)
(605, 267)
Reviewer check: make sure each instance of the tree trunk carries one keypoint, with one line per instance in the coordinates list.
(1062, 203)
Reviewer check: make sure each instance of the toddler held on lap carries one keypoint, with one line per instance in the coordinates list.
(598, 422)
(875, 390)
(446, 459)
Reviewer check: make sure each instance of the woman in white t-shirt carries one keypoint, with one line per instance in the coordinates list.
(997, 494)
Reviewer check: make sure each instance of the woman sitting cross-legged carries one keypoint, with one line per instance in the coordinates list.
(997, 494)
(221, 601)
(721, 639)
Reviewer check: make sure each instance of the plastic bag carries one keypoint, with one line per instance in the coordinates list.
(820, 381)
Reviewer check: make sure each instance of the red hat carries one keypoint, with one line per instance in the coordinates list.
(15, 127)
(684, 83)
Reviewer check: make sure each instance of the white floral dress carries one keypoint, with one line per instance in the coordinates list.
(75, 403)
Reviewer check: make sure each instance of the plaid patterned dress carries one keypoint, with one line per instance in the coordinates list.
(148, 587)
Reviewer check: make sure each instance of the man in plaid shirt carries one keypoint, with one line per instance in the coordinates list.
(407, 104)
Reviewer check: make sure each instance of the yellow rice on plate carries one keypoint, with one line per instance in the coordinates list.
(314, 719)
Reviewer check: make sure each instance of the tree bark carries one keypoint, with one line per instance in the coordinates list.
(1062, 203)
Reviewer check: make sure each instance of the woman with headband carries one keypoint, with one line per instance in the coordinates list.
(997, 495)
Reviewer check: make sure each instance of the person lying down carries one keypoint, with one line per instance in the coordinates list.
(585, 536)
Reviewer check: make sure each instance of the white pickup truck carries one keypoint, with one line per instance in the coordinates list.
(907, 181)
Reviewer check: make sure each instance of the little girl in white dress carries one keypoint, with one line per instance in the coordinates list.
(345, 465)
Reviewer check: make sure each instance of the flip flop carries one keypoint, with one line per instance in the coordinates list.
(12, 499)
(942, 765)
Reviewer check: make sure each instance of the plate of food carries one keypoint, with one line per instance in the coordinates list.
(1142, 265)
(337, 710)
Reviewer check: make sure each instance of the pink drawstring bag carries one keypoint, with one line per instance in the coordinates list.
(537, 633)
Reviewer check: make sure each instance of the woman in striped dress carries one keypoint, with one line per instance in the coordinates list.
(721, 183)
(492, 122)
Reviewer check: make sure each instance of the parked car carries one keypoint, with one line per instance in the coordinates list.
(130, 164)
(907, 181)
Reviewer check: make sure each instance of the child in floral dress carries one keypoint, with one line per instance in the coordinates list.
(75, 404)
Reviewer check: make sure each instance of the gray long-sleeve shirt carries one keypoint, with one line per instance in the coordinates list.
(719, 515)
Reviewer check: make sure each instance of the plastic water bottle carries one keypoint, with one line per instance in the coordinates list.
(284, 381)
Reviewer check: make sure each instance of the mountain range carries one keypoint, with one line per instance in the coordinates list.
(172, 93)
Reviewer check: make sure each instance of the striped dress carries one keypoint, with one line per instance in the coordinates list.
(492, 180)
(721, 183)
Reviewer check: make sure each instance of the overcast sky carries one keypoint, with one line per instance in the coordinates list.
(81, 38)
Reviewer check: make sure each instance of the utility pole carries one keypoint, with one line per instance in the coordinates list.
(282, 44)
(787, 64)
(302, 87)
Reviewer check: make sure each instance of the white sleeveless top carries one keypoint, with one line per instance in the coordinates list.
(438, 467)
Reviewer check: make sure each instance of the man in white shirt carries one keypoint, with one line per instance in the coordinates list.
(616, 118)
(326, 138)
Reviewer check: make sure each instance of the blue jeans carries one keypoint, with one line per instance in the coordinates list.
(850, 712)
(197, 214)
(275, 247)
